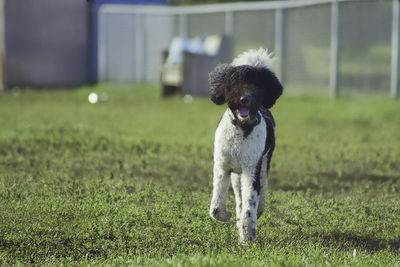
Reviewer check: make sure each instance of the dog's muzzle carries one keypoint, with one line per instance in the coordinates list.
(244, 111)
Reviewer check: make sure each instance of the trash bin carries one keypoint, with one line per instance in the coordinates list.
(187, 72)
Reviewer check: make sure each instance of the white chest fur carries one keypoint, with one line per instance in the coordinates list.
(232, 150)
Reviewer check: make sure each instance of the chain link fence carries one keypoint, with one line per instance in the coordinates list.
(322, 46)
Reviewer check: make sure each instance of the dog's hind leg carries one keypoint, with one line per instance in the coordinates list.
(248, 215)
(263, 190)
(220, 189)
(235, 178)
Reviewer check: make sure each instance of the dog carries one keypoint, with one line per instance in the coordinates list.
(245, 138)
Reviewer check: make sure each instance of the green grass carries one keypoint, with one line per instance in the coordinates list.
(128, 182)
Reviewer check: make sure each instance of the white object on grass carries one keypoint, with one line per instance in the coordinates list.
(188, 99)
(93, 98)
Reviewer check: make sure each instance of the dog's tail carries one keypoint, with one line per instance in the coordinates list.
(255, 57)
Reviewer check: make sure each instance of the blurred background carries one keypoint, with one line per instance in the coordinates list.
(327, 47)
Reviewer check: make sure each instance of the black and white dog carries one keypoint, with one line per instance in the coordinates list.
(244, 139)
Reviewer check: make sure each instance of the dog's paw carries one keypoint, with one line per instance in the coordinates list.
(247, 234)
(220, 215)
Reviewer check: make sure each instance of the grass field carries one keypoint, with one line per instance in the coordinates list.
(127, 181)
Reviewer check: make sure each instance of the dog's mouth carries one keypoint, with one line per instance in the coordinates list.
(244, 109)
(243, 113)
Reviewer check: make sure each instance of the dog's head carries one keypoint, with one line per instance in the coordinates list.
(244, 88)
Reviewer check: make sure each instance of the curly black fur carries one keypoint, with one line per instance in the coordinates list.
(217, 80)
(229, 83)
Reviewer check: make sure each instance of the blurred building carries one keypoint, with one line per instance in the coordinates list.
(52, 43)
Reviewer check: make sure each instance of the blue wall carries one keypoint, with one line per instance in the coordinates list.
(53, 43)
(47, 43)
(141, 2)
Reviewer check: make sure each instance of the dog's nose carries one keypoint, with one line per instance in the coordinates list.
(246, 100)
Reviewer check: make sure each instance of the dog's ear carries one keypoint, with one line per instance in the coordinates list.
(272, 88)
(218, 82)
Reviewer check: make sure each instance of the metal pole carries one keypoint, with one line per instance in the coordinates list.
(333, 85)
(144, 47)
(394, 78)
(140, 47)
(279, 20)
(101, 46)
(183, 25)
(229, 23)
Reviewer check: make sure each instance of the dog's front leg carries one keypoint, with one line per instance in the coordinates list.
(235, 178)
(220, 189)
(248, 216)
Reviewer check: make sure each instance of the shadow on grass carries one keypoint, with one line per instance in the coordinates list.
(356, 241)
(331, 181)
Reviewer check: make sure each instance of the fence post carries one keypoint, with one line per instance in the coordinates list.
(102, 72)
(279, 20)
(229, 23)
(394, 77)
(183, 32)
(333, 83)
(140, 51)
